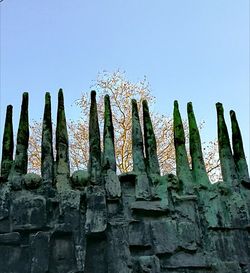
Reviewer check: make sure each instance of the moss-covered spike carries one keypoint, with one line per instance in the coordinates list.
(62, 147)
(21, 157)
(152, 162)
(8, 145)
(137, 141)
(94, 143)
(238, 150)
(182, 166)
(47, 158)
(225, 153)
(198, 166)
(109, 161)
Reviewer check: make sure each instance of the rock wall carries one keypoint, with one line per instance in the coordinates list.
(96, 221)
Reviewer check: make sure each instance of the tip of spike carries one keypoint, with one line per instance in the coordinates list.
(176, 104)
(219, 108)
(106, 98)
(133, 101)
(144, 103)
(93, 94)
(9, 107)
(189, 107)
(232, 113)
(47, 96)
(25, 95)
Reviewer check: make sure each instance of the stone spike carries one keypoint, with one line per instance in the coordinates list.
(137, 141)
(62, 147)
(94, 143)
(198, 166)
(182, 166)
(21, 157)
(238, 151)
(109, 161)
(8, 145)
(47, 157)
(225, 153)
(152, 162)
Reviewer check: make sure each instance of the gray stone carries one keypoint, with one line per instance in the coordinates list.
(8, 145)
(12, 238)
(139, 234)
(96, 214)
(112, 185)
(79, 179)
(149, 264)
(47, 157)
(142, 187)
(40, 252)
(164, 236)
(28, 212)
(32, 181)
(182, 165)
(94, 165)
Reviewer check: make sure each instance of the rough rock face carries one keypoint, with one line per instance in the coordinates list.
(98, 222)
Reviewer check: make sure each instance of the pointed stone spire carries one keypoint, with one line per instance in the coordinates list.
(8, 145)
(182, 166)
(142, 187)
(198, 166)
(238, 151)
(137, 141)
(109, 161)
(21, 157)
(225, 153)
(47, 158)
(152, 162)
(94, 143)
(62, 147)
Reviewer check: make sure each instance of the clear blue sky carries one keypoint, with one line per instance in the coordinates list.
(189, 50)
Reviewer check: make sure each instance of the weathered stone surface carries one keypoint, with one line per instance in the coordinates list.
(62, 258)
(160, 190)
(112, 185)
(20, 165)
(139, 234)
(142, 187)
(62, 147)
(137, 141)
(40, 252)
(238, 151)
(188, 235)
(227, 267)
(47, 157)
(12, 238)
(8, 145)
(149, 264)
(95, 165)
(152, 162)
(198, 166)
(226, 157)
(109, 161)
(164, 236)
(96, 214)
(153, 207)
(119, 258)
(182, 165)
(187, 260)
(79, 179)
(28, 212)
(32, 181)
